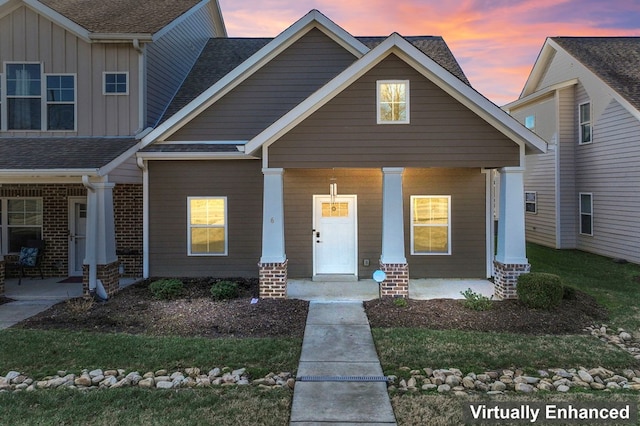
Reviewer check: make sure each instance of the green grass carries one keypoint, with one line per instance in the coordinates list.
(132, 406)
(40, 353)
(613, 285)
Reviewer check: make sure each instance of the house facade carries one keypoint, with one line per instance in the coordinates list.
(583, 98)
(318, 154)
(79, 86)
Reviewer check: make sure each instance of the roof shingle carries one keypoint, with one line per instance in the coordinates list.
(616, 60)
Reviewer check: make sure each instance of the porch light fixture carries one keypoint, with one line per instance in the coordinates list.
(333, 190)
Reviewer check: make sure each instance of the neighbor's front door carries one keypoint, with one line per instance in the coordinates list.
(334, 235)
(77, 234)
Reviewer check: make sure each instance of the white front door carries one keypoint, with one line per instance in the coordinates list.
(334, 236)
(77, 234)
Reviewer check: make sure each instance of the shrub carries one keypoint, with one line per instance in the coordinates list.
(400, 302)
(540, 290)
(223, 290)
(168, 288)
(476, 301)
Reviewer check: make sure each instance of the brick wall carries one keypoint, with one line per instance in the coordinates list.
(127, 206)
(397, 282)
(505, 278)
(1, 276)
(273, 280)
(107, 274)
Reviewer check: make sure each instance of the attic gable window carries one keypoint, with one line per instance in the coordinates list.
(115, 83)
(393, 101)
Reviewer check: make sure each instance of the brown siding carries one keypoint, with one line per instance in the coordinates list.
(272, 91)
(467, 190)
(442, 133)
(468, 222)
(171, 182)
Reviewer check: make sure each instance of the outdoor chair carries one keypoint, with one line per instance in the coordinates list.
(30, 258)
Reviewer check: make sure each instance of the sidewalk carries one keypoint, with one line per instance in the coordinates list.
(340, 380)
(13, 312)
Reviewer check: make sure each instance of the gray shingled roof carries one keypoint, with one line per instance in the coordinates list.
(616, 60)
(221, 55)
(60, 153)
(121, 16)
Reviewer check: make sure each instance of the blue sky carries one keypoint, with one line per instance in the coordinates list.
(495, 41)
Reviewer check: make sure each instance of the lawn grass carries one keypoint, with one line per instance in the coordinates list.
(40, 353)
(614, 285)
(230, 406)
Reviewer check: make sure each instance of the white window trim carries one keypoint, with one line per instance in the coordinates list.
(45, 113)
(5, 111)
(413, 252)
(104, 83)
(590, 122)
(534, 202)
(4, 222)
(226, 226)
(590, 194)
(2, 102)
(407, 101)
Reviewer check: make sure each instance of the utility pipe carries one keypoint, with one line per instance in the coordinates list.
(93, 220)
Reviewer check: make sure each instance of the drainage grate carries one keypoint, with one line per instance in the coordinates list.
(343, 379)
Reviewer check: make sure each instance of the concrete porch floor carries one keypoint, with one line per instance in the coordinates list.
(33, 288)
(419, 289)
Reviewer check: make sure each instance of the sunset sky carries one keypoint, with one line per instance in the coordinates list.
(495, 41)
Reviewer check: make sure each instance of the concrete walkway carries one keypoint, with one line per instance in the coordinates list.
(340, 380)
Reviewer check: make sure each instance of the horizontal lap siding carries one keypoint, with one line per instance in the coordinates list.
(442, 133)
(299, 188)
(271, 92)
(171, 182)
(467, 188)
(608, 168)
(568, 209)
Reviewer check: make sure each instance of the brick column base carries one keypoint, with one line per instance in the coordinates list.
(273, 280)
(505, 278)
(2, 269)
(107, 274)
(397, 282)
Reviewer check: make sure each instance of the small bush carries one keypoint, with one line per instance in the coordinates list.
(165, 289)
(476, 301)
(400, 302)
(224, 290)
(540, 290)
(79, 305)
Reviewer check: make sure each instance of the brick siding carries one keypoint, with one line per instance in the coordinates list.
(1, 276)
(397, 282)
(127, 206)
(506, 278)
(273, 280)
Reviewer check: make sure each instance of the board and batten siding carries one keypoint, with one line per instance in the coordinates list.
(171, 57)
(171, 182)
(442, 132)
(26, 36)
(539, 175)
(608, 168)
(270, 92)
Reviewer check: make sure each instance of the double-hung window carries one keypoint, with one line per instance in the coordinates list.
(393, 101)
(20, 221)
(207, 227)
(431, 224)
(585, 124)
(586, 213)
(531, 202)
(38, 101)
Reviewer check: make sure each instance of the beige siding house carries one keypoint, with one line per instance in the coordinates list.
(321, 155)
(79, 87)
(583, 98)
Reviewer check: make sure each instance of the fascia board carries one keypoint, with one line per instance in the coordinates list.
(120, 37)
(59, 19)
(48, 173)
(539, 94)
(423, 64)
(116, 162)
(248, 68)
(539, 67)
(195, 156)
(179, 20)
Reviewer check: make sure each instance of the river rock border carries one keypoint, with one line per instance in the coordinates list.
(553, 379)
(194, 377)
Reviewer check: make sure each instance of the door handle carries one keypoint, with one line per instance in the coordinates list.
(317, 234)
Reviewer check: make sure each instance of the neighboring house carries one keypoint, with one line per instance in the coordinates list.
(583, 98)
(317, 154)
(80, 81)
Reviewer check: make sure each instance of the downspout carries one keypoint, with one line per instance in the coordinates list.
(145, 217)
(141, 86)
(93, 219)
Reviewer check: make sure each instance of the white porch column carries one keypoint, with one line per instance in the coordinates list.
(511, 258)
(101, 258)
(392, 260)
(511, 237)
(273, 263)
